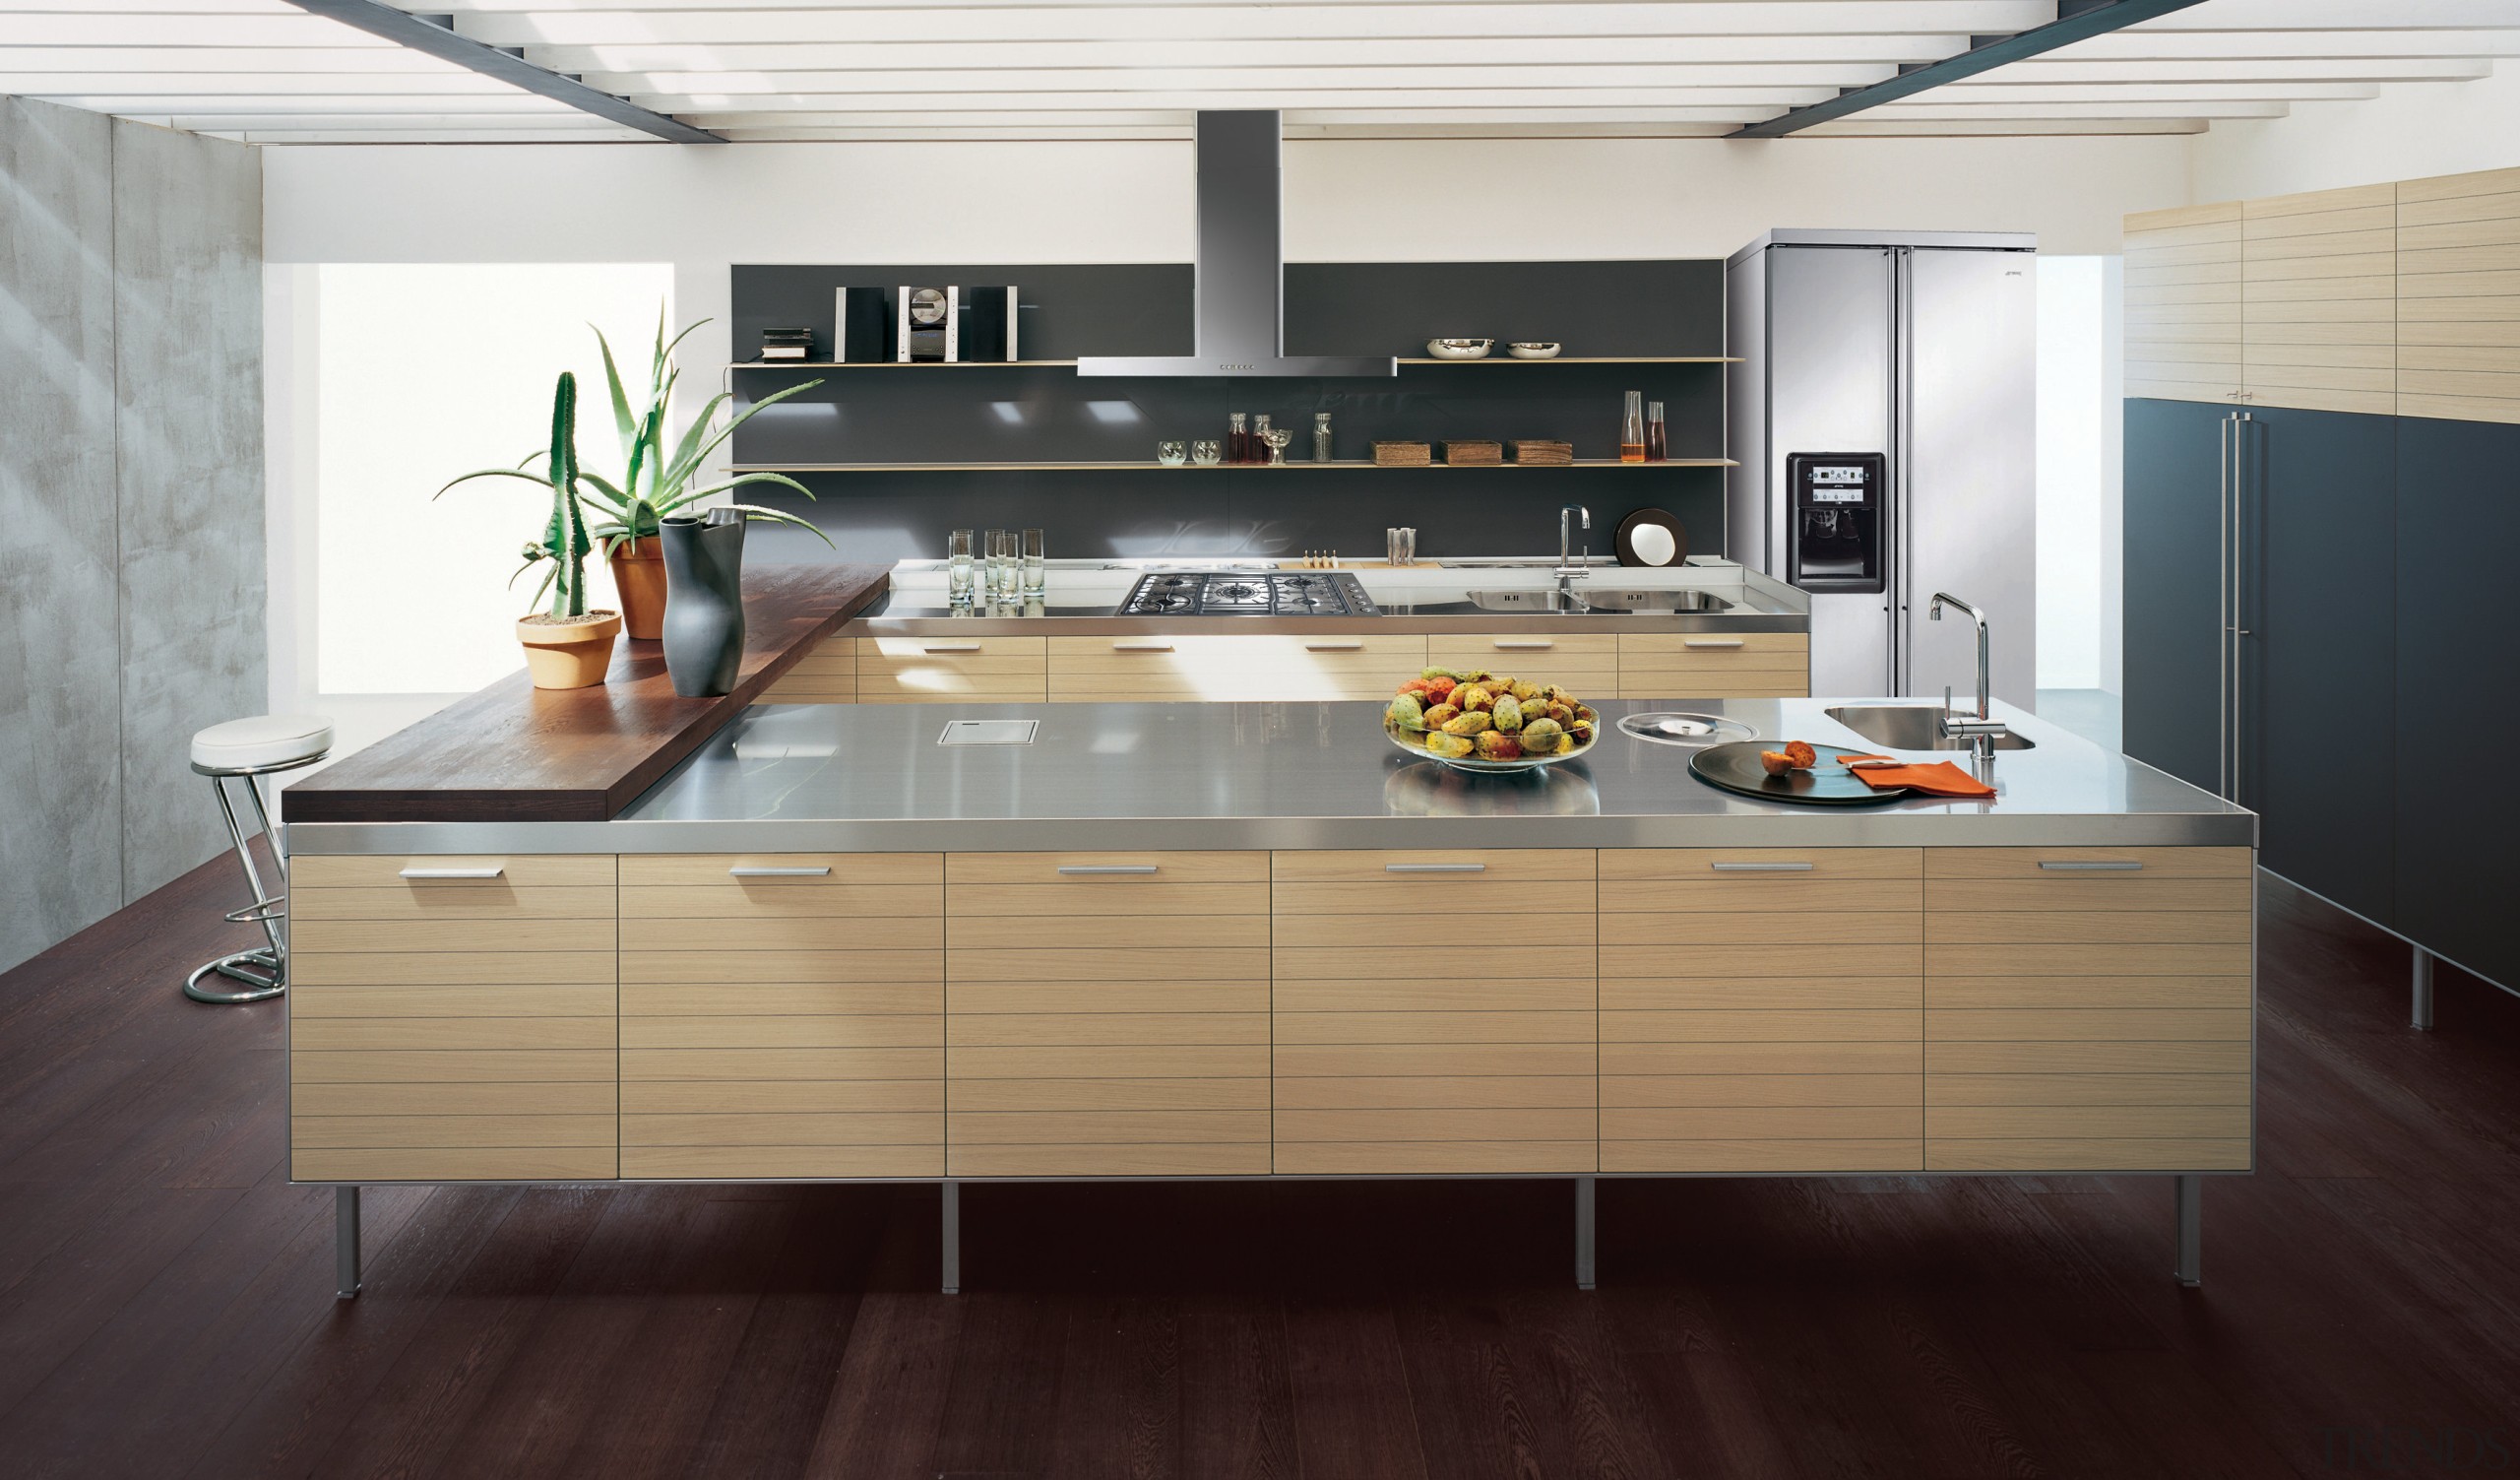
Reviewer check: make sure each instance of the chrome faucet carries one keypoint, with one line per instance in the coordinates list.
(1568, 571)
(1983, 730)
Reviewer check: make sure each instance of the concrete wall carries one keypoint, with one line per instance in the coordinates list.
(131, 559)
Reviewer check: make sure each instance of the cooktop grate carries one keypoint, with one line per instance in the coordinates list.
(1244, 593)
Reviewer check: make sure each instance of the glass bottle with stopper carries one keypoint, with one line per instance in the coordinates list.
(1631, 429)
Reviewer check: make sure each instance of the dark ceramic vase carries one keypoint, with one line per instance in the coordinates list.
(704, 626)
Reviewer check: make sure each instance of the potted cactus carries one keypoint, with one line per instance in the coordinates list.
(567, 646)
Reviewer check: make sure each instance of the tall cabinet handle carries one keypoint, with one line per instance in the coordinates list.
(2223, 606)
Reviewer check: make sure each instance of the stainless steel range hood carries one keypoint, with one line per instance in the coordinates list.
(1239, 277)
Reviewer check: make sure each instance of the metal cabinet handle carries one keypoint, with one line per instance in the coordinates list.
(1141, 647)
(950, 647)
(1101, 868)
(1710, 642)
(452, 872)
(2090, 865)
(1533, 646)
(1335, 647)
(767, 871)
(1747, 867)
(1434, 868)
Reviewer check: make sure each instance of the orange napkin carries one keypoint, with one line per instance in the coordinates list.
(1938, 778)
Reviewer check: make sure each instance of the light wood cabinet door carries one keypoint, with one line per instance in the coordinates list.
(1762, 1010)
(452, 1019)
(950, 670)
(1714, 665)
(2183, 310)
(782, 1015)
(1434, 1012)
(2318, 289)
(1585, 664)
(826, 675)
(1106, 1014)
(2088, 1009)
(2458, 296)
(1230, 667)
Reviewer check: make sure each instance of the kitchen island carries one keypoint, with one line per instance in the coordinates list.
(1224, 939)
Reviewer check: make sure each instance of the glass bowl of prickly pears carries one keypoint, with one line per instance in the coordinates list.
(1475, 720)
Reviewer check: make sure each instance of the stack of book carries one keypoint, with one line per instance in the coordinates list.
(1475, 454)
(1545, 454)
(786, 344)
(1403, 454)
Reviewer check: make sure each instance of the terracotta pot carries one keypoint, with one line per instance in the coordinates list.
(569, 653)
(641, 580)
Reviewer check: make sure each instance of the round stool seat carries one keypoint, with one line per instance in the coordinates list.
(262, 743)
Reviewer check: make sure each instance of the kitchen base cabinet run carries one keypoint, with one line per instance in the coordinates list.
(1242, 1014)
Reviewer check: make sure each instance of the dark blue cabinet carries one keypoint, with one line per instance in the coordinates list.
(2318, 657)
(2458, 692)
(2173, 500)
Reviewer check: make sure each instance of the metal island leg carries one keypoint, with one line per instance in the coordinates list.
(2423, 1015)
(2191, 1231)
(346, 1241)
(1585, 1223)
(952, 1247)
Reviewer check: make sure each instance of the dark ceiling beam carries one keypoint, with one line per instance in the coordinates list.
(2076, 20)
(436, 36)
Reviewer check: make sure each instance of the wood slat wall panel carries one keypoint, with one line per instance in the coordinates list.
(1107, 1024)
(1416, 1071)
(453, 1029)
(2459, 298)
(2048, 986)
(1687, 1021)
(2183, 303)
(2327, 259)
(783, 1026)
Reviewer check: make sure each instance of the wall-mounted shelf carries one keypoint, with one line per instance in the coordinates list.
(1021, 364)
(1343, 464)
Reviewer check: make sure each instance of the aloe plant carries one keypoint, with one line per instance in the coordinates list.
(660, 471)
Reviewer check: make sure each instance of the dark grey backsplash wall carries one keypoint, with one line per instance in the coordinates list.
(977, 414)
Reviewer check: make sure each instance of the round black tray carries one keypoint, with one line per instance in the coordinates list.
(1735, 767)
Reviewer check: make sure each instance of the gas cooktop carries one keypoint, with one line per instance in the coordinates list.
(1246, 593)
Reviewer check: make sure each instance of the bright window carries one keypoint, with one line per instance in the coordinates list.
(425, 372)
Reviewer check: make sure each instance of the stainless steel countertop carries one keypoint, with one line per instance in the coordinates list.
(873, 778)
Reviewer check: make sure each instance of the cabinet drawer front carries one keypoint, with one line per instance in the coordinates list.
(1015, 962)
(1227, 667)
(891, 1030)
(562, 1098)
(1560, 960)
(1495, 866)
(2088, 865)
(880, 651)
(1437, 1092)
(2088, 928)
(1106, 1127)
(343, 1132)
(1451, 1123)
(329, 870)
(2227, 994)
(781, 898)
(318, 936)
(1774, 869)
(1131, 896)
(1115, 1061)
(2087, 1089)
(306, 1001)
(1815, 928)
(781, 1063)
(2131, 892)
(1849, 1056)
(793, 1129)
(1104, 1029)
(774, 998)
(1749, 665)
(467, 900)
(456, 1164)
(1762, 1026)
(1588, 666)
(1107, 870)
(1031, 1095)
(841, 872)
(2085, 1024)
(983, 995)
(740, 936)
(914, 670)
(1698, 1123)
(451, 968)
(1173, 1159)
(773, 1163)
(1762, 1091)
(313, 1034)
(1501, 1158)
(2087, 960)
(1717, 1157)
(1751, 962)
(782, 1097)
(452, 1066)
(1435, 1027)
(826, 965)
(826, 675)
(2074, 1155)
(2040, 1060)
(1623, 996)
(1109, 933)
(1550, 942)
(2087, 1122)
(1468, 994)
(1401, 1060)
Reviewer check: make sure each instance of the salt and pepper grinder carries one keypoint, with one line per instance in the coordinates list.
(1237, 439)
(1321, 436)
(1658, 441)
(1259, 445)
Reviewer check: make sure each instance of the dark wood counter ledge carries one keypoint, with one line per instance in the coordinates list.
(517, 753)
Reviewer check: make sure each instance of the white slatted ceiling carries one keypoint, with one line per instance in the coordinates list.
(1120, 69)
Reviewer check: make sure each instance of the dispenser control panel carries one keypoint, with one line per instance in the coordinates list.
(1836, 540)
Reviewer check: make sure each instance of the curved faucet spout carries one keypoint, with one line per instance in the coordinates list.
(1985, 698)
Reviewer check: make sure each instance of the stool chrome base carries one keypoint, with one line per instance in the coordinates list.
(259, 969)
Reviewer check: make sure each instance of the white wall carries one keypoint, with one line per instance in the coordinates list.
(2081, 433)
(2412, 130)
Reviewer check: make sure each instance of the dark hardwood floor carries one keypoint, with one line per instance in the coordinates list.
(166, 1309)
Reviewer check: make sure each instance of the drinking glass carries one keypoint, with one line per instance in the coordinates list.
(1037, 573)
(957, 567)
(1276, 440)
(1204, 453)
(1002, 571)
(1171, 454)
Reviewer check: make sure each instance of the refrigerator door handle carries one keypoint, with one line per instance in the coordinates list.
(2222, 609)
(1903, 409)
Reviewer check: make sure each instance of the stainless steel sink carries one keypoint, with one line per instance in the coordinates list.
(1640, 602)
(1912, 726)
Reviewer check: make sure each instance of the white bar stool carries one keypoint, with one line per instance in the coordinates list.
(244, 750)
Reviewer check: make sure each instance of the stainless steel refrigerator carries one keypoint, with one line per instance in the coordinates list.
(1884, 416)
